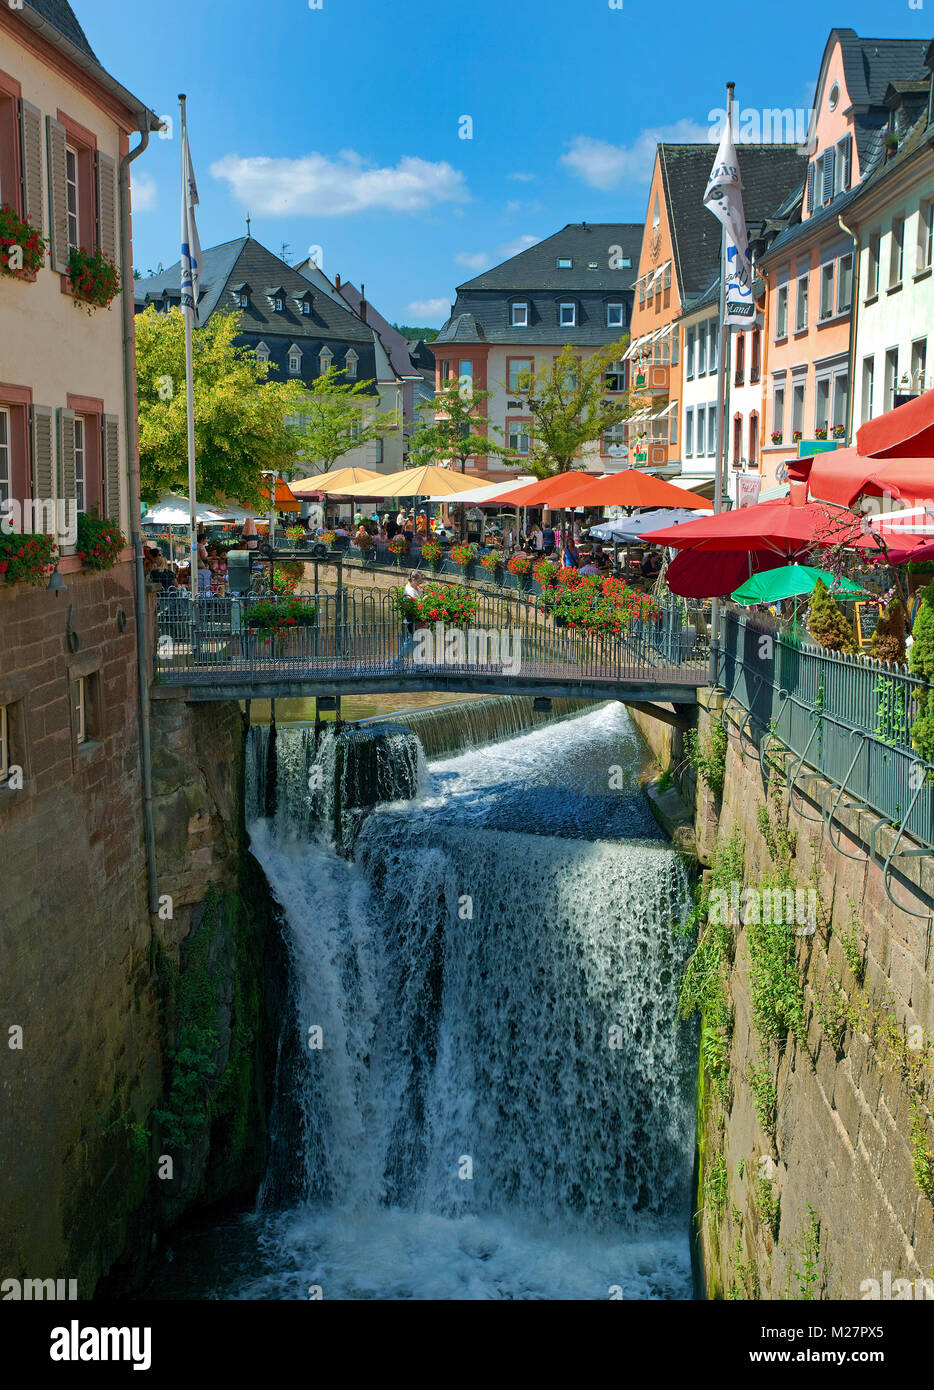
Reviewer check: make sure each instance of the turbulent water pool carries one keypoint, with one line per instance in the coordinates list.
(497, 1102)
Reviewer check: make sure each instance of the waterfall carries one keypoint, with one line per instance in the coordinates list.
(447, 729)
(492, 1095)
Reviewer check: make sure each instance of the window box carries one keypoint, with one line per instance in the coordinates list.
(26, 559)
(778, 436)
(99, 542)
(22, 249)
(94, 279)
(820, 432)
(796, 437)
(839, 431)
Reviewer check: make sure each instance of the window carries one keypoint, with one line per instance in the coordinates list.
(675, 339)
(841, 404)
(822, 404)
(897, 253)
(71, 195)
(834, 97)
(516, 369)
(641, 293)
(278, 304)
(81, 472)
(812, 184)
(306, 306)
(9, 145)
(243, 299)
(869, 375)
(801, 303)
(614, 316)
(615, 378)
(713, 336)
(79, 700)
(797, 408)
(466, 370)
(295, 362)
(701, 351)
(350, 364)
(754, 440)
(872, 278)
(673, 430)
(701, 413)
(518, 436)
(325, 358)
(6, 461)
(891, 378)
(564, 262)
(826, 290)
(262, 352)
(520, 315)
(781, 313)
(739, 377)
(567, 315)
(689, 433)
(842, 165)
(827, 175)
(614, 440)
(778, 411)
(755, 364)
(712, 431)
(4, 745)
(925, 235)
(845, 284)
(919, 353)
(737, 440)
(689, 354)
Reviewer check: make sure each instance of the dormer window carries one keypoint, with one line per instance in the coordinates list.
(295, 360)
(262, 352)
(325, 358)
(520, 314)
(241, 294)
(278, 304)
(567, 315)
(304, 302)
(614, 316)
(350, 364)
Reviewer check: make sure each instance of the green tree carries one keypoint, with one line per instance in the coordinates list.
(826, 623)
(459, 431)
(339, 416)
(241, 417)
(570, 408)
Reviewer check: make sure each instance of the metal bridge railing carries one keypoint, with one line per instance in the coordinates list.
(348, 634)
(848, 717)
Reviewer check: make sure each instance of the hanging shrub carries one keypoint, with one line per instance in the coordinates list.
(21, 247)
(520, 565)
(99, 542)
(95, 280)
(492, 561)
(439, 603)
(463, 555)
(329, 538)
(272, 618)
(826, 623)
(26, 559)
(433, 553)
(546, 572)
(888, 640)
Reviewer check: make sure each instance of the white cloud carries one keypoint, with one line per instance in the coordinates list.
(512, 248)
(523, 178)
(424, 311)
(143, 192)
(606, 166)
(473, 260)
(318, 186)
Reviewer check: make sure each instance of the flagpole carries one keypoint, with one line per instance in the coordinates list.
(188, 311)
(714, 673)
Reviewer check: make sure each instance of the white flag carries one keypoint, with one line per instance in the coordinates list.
(191, 247)
(724, 198)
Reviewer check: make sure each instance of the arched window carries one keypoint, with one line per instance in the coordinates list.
(262, 352)
(350, 364)
(295, 360)
(325, 358)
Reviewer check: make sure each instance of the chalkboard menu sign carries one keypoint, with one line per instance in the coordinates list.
(866, 618)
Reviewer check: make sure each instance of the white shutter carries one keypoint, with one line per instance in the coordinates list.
(106, 205)
(110, 455)
(40, 438)
(30, 144)
(58, 195)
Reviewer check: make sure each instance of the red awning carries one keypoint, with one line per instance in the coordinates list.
(905, 432)
(840, 477)
(630, 488)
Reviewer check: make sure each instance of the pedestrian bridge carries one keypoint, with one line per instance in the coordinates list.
(349, 643)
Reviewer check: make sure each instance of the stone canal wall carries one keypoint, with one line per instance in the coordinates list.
(815, 1138)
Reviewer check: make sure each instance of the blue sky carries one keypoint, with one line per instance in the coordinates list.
(339, 127)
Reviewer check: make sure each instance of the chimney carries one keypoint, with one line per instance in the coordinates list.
(363, 301)
(337, 282)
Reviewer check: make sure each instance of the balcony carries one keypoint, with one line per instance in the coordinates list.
(652, 377)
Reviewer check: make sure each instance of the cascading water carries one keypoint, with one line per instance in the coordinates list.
(496, 1101)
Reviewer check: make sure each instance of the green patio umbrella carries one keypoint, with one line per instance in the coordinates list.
(789, 581)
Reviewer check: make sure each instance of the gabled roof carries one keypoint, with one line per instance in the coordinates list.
(770, 173)
(869, 65)
(586, 244)
(397, 347)
(62, 17)
(246, 261)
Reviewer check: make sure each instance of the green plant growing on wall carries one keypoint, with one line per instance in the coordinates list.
(922, 1158)
(826, 623)
(709, 761)
(834, 1012)
(852, 949)
(764, 1095)
(775, 981)
(768, 1205)
(921, 662)
(715, 1187)
(745, 1284)
(808, 1276)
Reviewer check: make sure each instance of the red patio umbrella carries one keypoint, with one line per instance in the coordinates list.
(631, 488)
(779, 527)
(905, 432)
(714, 574)
(842, 475)
(541, 493)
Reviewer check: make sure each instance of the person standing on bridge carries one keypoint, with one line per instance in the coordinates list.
(413, 594)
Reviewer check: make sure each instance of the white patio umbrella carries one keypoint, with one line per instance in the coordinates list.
(630, 528)
(173, 510)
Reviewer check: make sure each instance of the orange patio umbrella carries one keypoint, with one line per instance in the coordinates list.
(540, 494)
(631, 488)
(286, 501)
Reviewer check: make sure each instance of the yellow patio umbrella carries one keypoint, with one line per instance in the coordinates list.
(426, 481)
(332, 482)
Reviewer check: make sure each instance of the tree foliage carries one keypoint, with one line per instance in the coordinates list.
(827, 624)
(457, 432)
(339, 416)
(241, 417)
(570, 408)
(888, 640)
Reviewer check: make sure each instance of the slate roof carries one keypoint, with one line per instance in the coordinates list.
(869, 65)
(824, 219)
(396, 346)
(913, 140)
(246, 261)
(61, 16)
(584, 242)
(770, 173)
